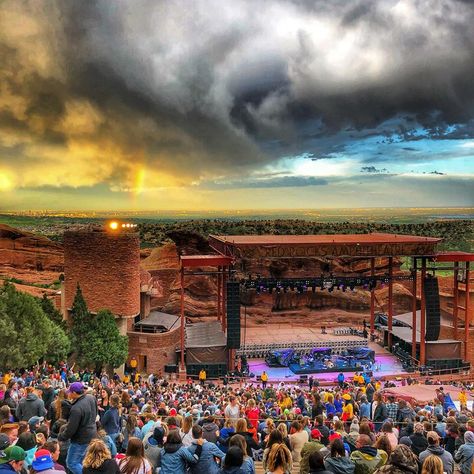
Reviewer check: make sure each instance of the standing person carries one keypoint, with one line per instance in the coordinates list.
(337, 462)
(418, 440)
(81, 427)
(392, 408)
(210, 429)
(130, 430)
(366, 458)
(437, 450)
(153, 444)
(202, 376)
(309, 448)
(30, 406)
(209, 453)
(12, 460)
(464, 455)
(174, 457)
(98, 459)
(47, 394)
(462, 397)
(297, 440)
(264, 379)
(60, 408)
(232, 410)
(111, 418)
(379, 409)
(135, 461)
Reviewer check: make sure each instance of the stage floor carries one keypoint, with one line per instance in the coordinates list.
(388, 364)
(295, 334)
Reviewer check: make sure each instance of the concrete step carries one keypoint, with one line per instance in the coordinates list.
(259, 468)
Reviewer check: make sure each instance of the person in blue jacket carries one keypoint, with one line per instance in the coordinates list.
(174, 457)
(209, 453)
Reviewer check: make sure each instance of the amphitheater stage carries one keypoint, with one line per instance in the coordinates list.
(256, 342)
(387, 363)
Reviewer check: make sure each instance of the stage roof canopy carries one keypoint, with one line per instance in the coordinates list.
(324, 245)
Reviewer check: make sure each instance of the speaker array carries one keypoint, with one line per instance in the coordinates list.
(233, 315)
(433, 316)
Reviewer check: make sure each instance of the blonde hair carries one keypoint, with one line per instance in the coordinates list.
(241, 426)
(283, 429)
(97, 453)
(279, 456)
(432, 465)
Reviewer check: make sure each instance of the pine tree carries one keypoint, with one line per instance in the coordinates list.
(81, 328)
(50, 310)
(96, 338)
(105, 345)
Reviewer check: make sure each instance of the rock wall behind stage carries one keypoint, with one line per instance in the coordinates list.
(341, 307)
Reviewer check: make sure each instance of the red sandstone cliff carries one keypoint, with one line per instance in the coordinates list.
(29, 258)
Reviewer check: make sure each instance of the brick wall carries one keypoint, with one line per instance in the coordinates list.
(159, 349)
(107, 267)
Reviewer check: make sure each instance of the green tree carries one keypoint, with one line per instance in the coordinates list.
(25, 330)
(51, 311)
(60, 347)
(107, 347)
(96, 339)
(81, 328)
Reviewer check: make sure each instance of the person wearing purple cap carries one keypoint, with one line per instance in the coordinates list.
(81, 426)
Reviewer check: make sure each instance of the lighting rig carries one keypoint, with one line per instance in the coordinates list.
(322, 283)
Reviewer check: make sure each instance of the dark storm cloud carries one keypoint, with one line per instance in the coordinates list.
(198, 90)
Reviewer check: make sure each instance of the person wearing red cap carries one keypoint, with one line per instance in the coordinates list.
(313, 445)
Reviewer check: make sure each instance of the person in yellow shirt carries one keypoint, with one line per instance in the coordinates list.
(126, 379)
(463, 399)
(378, 385)
(6, 378)
(202, 376)
(264, 379)
(347, 409)
(286, 402)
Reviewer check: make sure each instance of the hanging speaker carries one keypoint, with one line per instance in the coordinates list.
(233, 315)
(433, 316)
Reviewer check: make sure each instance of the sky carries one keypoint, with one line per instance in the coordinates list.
(257, 104)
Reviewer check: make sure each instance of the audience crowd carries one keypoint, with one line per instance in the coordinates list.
(54, 420)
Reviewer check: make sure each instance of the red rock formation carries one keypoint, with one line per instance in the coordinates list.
(24, 250)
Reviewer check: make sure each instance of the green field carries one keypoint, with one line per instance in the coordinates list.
(454, 225)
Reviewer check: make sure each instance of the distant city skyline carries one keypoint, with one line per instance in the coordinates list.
(240, 105)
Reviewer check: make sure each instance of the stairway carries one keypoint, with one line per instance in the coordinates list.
(259, 468)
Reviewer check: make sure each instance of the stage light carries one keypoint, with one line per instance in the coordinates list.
(113, 225)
